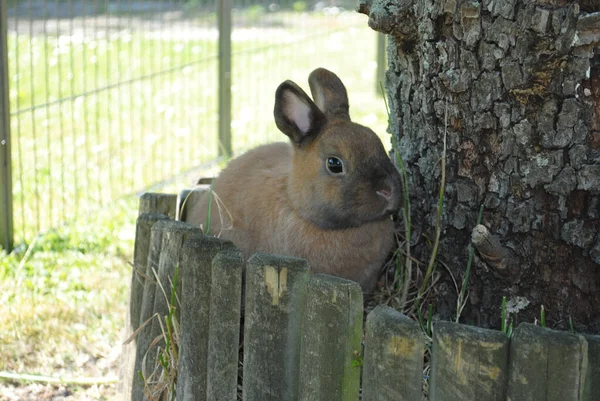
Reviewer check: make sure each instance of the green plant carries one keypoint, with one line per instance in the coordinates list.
(160, 383)
(438, 217)
(571, 328)
(405, 267)
(542, 316)
(506, 327)
(438, 223)
(358, 359)
(429, 331)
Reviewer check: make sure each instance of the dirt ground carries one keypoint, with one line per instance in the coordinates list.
(86, 365)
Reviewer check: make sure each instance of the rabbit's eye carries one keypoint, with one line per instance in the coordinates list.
(334, 165)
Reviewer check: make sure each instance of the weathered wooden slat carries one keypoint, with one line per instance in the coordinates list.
(140, 259)
(468, 363)
(546, 365)
(174, 236)
(393, 362)
(143, 232)
(275, 298)
(224, 328)
(143, 337)
(592, 385)
(195, 273)
(331, 340)
(158, 203)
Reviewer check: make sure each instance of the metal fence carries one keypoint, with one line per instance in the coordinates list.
(105, 98)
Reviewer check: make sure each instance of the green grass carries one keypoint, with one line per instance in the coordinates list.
(506, 325)
(64, 296)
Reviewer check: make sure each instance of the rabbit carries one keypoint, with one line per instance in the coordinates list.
(326, 196)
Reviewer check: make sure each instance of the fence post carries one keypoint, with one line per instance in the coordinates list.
(275, 297)
(547, 364)
(128, 376)
(592, 385)
(6, 200)
(394, 346)
(143, 338)
(196, 275)
(331, 340)
(174, 236)
(159, 203)
(468, 363)
(224, 16)
(224, 326)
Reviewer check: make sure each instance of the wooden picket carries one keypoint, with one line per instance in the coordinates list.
(274, 302)
(302, 333)
(592, 382)
(196, 278)
(224, 326)
(394, 346)
(547, 365)
(468, 363)
(331, 340)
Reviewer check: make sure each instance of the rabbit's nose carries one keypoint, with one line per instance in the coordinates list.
(390, 190)
(386, 193)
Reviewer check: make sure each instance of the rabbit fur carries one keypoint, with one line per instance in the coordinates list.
(326, 196)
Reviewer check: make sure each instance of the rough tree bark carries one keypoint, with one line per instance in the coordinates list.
(520, 83)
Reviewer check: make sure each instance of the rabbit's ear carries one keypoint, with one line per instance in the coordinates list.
(296, 115)
(329, 93)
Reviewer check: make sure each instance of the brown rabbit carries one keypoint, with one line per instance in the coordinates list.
(328, 197)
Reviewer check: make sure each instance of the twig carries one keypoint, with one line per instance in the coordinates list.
(462, 299)
(25, 259)
(405, 212)
(438, 222)
(81, 381)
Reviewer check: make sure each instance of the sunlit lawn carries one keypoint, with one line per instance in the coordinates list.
(64, 297)
(63, 292)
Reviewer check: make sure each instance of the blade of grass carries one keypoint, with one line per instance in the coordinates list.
(210, 196)
(503, 315)
(571, 328)
(406, 216)
(79, 381)
(542, 316)
(438, 218)
(510, 329)
(429, 320)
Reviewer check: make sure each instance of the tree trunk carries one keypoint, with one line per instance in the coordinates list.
(519, 82)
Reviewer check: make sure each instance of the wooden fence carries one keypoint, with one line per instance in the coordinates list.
(303, 334)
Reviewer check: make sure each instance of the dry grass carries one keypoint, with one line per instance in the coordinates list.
(64, 300)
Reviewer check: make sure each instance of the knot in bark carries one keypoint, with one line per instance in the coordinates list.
(395, 18)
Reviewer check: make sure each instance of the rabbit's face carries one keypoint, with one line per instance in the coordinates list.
(344, 178)
(340, 175)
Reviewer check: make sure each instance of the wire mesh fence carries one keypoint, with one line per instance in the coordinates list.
(109, 97)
